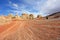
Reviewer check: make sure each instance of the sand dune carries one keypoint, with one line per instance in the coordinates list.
(31, 30)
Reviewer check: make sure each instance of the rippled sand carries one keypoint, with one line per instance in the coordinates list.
(31, 30)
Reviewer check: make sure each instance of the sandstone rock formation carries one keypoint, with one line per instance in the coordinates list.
(54, 15)
(4, 19)
(25, 16)
(39, 16)
(10, 16)
(31, 16)
(17, 16)
(31, 30)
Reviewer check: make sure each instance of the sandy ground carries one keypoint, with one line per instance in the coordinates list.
(31, 30)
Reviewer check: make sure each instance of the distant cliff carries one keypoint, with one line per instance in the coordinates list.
(54, 15)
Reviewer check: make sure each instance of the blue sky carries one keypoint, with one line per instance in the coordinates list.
(42, 7)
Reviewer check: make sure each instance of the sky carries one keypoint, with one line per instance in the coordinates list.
(36, 7)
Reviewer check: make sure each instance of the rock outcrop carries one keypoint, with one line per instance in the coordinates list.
(25, 16)
(53, 16)
(31, 16)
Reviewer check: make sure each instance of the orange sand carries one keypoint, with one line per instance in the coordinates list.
(31, 30)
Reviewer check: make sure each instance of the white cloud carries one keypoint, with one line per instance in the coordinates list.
(22, 11)
(36, 4)
(15, 5)
(44, 7)
(27, 12)
(50, 6)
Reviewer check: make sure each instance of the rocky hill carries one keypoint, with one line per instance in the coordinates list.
(54, 15)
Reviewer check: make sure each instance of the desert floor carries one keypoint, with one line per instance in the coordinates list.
(31, 30)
